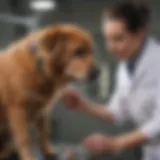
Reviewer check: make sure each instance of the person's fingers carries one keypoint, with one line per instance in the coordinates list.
(96, 144)
(72, 99)
(91, 143)
(71, 93)
(88, 142)
(93, 147)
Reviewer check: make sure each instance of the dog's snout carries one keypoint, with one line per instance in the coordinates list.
(94, 73)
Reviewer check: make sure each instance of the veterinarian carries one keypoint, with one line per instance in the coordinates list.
(137, 92)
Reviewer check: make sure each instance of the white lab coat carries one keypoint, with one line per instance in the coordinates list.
(137, 97)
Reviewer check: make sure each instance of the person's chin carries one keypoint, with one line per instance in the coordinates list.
(121, 58)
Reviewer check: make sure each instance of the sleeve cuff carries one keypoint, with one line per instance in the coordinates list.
(151, 131)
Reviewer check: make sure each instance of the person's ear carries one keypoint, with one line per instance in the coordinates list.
(141, 32)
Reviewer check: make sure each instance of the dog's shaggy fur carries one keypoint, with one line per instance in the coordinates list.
(33, 71)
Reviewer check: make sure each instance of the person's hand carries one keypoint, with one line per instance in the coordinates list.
(99, 144)
(74, 100)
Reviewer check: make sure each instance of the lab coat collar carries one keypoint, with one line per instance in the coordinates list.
(132, 64)
(142, 68)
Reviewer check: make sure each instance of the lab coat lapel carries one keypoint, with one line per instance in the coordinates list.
(144, 62)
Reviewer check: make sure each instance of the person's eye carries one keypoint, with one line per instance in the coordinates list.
(80, 52)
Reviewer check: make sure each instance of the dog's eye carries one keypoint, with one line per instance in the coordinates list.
(80, 52)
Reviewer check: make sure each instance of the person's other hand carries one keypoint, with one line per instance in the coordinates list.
(99, 144)
(74, 100)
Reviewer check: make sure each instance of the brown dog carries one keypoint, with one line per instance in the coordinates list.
(33, 71)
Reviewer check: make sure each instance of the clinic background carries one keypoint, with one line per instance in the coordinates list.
(18, 17)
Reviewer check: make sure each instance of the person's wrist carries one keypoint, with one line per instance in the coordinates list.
(83, 106)
(117, 145)
(113, 145)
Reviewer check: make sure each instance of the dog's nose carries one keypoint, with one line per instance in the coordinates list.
(94, 73)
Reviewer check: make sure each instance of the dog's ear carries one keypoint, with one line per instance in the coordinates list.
(53, 42)
(53, 39)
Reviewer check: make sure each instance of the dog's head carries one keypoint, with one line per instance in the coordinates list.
(68, 50)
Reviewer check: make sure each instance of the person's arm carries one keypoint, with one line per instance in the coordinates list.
(98, 111)
(98, 144)
(114, 112)
(129, 140)
(146, 133)
(75, 101)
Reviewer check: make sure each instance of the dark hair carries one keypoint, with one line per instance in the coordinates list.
(136, 13)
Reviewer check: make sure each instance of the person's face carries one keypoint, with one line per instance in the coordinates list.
(120, 42)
